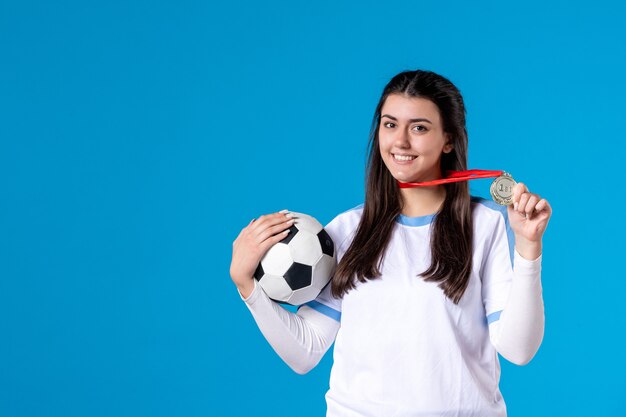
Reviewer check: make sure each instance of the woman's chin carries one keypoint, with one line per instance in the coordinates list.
(406, 177)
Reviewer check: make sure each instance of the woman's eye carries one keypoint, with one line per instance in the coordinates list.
(419, 128)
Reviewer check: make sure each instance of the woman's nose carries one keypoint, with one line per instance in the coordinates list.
(402, 139)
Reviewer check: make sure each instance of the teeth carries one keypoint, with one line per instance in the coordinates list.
(404, 158)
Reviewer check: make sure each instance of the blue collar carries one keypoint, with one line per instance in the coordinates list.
(415, 221)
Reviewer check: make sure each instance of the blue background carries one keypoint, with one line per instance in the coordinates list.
(138, 138)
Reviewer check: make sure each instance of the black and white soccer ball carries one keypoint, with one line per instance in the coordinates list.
(296, 269)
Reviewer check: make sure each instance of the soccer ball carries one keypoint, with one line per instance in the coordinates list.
(296, 269)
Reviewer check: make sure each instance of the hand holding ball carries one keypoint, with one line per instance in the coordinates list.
(296, 269)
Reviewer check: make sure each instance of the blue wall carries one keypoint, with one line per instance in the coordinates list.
(138, 138)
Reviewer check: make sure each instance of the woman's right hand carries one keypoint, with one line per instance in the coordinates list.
(253, 243)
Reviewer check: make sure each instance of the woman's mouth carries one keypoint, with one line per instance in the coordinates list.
(403, 159)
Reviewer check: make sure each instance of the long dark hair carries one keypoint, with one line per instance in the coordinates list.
(451, 238)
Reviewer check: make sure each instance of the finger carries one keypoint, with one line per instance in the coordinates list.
(543, 205)
(530, 206)
(249, 226)
(256, 221)
(518, 190)
(266, 220)
(276, 234)
(521, 204)
(548, 207)
(272, 227)
(267, 243)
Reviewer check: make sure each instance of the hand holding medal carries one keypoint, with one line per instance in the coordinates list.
(528, 215)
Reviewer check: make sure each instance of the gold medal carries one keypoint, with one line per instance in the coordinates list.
(502, 189)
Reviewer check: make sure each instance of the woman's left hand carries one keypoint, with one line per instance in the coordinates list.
(528, 216)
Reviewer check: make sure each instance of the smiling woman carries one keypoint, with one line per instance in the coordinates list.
(431, 284)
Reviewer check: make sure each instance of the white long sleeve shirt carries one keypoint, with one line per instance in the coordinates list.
(402, 348)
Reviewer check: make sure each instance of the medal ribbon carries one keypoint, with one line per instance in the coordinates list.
(454, 176)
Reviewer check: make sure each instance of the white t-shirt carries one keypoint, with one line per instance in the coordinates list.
(402, 348)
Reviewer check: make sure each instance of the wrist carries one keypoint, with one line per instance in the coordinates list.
(246, 288)
(528, 249)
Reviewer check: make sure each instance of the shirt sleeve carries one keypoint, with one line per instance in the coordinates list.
(512, 296)
(301, 339)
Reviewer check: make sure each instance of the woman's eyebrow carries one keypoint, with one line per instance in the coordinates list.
(410, 120)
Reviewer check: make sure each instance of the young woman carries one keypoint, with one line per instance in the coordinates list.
(431, 283)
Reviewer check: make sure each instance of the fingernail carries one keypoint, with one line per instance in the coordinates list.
(284, 211)
(289, 215)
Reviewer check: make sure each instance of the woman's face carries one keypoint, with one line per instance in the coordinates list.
(412, 126)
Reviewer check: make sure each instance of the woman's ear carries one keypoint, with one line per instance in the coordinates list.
(447, 148)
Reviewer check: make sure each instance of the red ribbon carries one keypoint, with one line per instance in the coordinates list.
(454, 176)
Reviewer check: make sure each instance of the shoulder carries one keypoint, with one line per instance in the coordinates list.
(487, 212)
(491, 223)
(350, 215)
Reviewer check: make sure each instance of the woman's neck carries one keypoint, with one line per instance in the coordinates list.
(422, 201)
